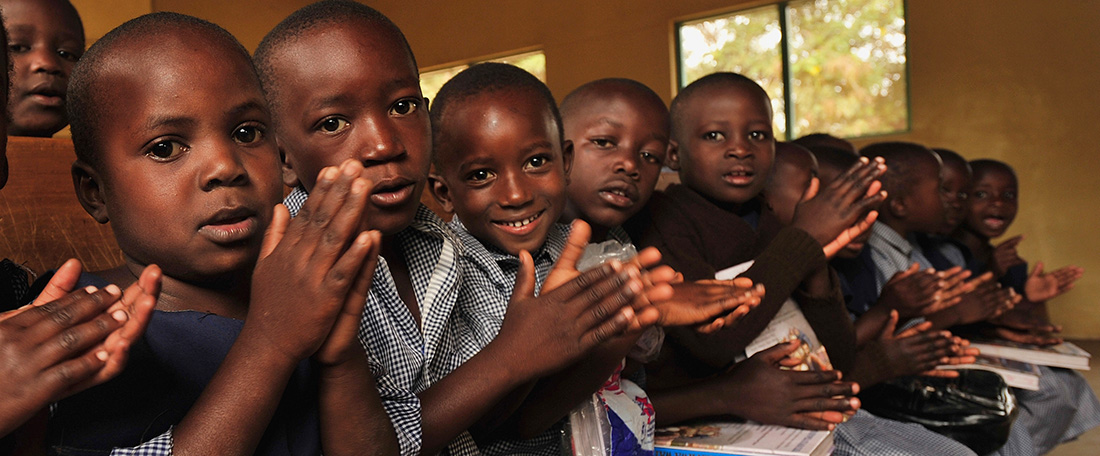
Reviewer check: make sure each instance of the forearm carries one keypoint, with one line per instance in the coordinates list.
(687, 402)
(869, 325)
(231, 415)
(554, 396)
(823, 306)
(467, 394)
(352, 418)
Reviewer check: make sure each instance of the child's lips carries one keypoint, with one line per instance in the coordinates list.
(392, 193)
(520, 226)
(995, 223)
(619, 194)
(230, 228)
(740, 177)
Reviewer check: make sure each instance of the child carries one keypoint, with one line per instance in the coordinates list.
(501, 168)
(364, 103)
(188, 182)
(795, 166)
(619, 129)
(68, 339)
(1064, 407)
(47, 38)
(943, 251)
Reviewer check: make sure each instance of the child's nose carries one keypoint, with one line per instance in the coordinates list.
(628, 162)
(222, 168)
(514, 192)
(45, 60)
(382, 143)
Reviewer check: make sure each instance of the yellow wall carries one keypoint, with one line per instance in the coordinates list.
(1008, 79)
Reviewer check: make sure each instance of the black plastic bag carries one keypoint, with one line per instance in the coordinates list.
(976, 409)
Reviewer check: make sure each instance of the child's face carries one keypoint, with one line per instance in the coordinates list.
(352, 91)
(619, 147)
(504, 173)
(727, 148)
(45, 43)
(956, 180)
(3, 119)
(788, 183)
(993, 203)
(925, 199)
(188, 182)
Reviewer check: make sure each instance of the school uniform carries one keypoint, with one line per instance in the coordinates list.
(402, 351)
(698, 238)
(488, 277)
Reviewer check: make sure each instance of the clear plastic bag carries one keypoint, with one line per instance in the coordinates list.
(588, 431)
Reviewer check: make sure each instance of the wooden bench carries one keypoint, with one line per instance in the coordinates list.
(41, 222)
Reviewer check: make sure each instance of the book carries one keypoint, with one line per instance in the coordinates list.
(1066, 354)
(1017, 374)
(744, 438)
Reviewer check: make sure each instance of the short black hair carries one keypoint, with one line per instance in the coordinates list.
(308, 18)
(950, 156)
(482, 78)
(901, 159)
(833, 157)
(679, 104)
(600, 86)
(83, 106)
(986, 165)
(823, 139)
(70, 9)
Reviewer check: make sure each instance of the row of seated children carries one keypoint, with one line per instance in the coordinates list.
(187, 183)
(460, 353)
(930, 256)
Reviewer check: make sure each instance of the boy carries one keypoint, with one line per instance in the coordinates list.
(364, 103)
(619, 129)
(795, 166)
(502, 167)
(47, 38)
(188, 182)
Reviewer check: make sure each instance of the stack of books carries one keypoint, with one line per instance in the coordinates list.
(745, 439)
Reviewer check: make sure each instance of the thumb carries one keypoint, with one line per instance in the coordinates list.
(525, 277)
(776, 353)
(275, 231)
(889, 326)
(1038, 271)
(62, 282)
(811, 191)
(579, 235)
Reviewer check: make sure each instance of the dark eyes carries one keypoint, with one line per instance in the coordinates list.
(713, 136)
(166, 150)
(536, 162)
(602, 143)
(650, 157)
(248, 134)
(760, 135)
(405, 107)
(480, 175)
(67, 55)
(72, 56)
(18, 48)
(333, 125)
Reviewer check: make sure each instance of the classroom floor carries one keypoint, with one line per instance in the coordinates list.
(1089, 443)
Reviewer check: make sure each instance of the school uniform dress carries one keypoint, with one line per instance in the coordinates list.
(488, 277)
(698, 238)
(168, 369)
(402, 351)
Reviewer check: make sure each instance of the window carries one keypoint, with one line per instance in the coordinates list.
(833, 66)
(431, 81)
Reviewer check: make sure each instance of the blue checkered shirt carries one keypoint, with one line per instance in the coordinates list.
(488, 276)
(891, 253)
(403, 351)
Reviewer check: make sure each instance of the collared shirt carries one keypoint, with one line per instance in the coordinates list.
(489, 276)
(891, 253)
(403, 351)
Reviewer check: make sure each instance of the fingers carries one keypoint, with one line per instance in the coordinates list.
(525, 277)
(75, 374)
(849, 234)
(47, 320)
(77, 339)
(579, 235)
(608, 298)
(1010, 244)
(337, 221)
(138, 301)
(346, 271)
(357, 297)
(889, 326)
(62, 282)
(811, 190)
(280, 218)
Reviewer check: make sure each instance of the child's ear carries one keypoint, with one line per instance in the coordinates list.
(89, 191)
(567, 158)
(672, 159)
(290, 177)
(898, 207)
(440, 191)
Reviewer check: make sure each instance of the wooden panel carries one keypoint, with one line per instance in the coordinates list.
(41, 222)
